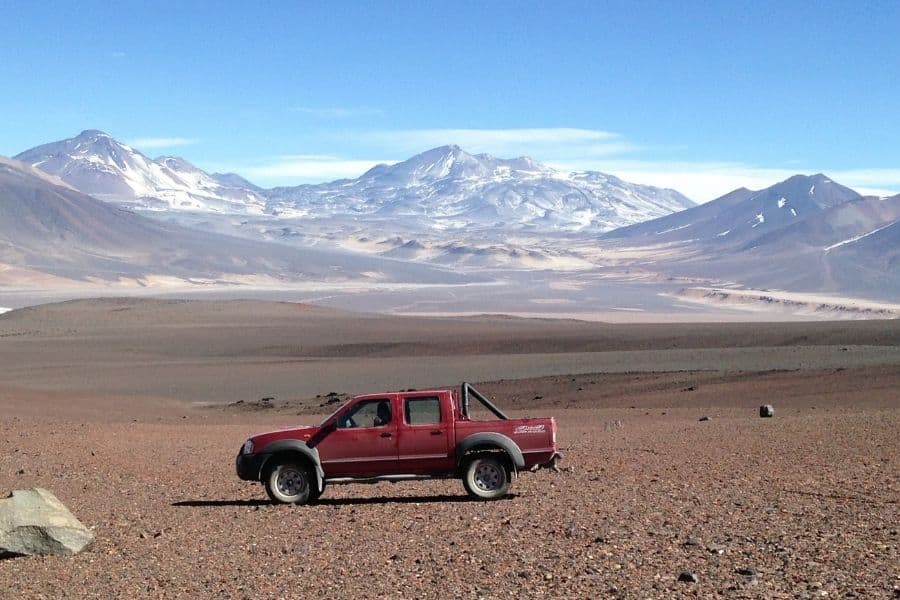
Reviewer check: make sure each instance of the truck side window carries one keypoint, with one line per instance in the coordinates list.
(369, 413)
(423, 411)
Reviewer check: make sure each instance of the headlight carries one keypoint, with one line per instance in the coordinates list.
(247, 448)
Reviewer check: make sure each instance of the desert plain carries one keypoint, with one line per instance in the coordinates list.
(131, 411)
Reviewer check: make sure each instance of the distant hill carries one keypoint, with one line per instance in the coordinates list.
(806, 233)
(743, 215)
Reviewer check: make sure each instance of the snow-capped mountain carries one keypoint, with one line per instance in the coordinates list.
(96, 164)
(448, 188)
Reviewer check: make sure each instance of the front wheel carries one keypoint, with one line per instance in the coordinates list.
(486, 478)
(289, 483)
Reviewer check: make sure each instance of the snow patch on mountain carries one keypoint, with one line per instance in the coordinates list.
(855, 239)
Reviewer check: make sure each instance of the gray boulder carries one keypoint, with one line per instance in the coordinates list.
(35, 522)
(766, 410)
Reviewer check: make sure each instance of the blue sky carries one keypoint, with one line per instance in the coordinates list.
(699, 96)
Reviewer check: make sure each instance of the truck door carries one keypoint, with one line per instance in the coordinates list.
(364, 443)
(424, 445)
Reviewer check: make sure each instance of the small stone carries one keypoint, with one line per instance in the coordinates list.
(20, 472)
(706, 418)
(766, 410)
(687, 577)
(746, 572)
(548, 576)
(692, 541)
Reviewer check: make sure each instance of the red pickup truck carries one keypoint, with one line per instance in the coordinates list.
(400, 436)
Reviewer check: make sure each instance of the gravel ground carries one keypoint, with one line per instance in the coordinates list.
(801, 505)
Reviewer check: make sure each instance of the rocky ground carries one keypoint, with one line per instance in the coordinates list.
(801, 505)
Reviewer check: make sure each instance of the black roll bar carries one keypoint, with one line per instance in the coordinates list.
(467, 391)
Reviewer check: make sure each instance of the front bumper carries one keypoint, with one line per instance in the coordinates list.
(249, 466)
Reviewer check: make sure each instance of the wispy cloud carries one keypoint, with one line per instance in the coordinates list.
(305, 168)
(118, 54)
(546, 141)
(338, 112)
(881, 182)
(161, 142)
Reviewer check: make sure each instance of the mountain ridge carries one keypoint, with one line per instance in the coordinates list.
(95, 163)
(444, 187)
(52, 229)
(448, 188)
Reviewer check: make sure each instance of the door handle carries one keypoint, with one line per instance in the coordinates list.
(386, 434)
(436, 432)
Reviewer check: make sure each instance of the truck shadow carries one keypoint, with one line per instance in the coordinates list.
(340, 501)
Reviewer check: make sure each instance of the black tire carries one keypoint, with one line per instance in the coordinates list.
(486, 476)
(289, 482)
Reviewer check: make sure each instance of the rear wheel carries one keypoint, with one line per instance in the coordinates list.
(289, 482)
(486, 477)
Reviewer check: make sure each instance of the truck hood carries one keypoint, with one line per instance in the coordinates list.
(303, 433)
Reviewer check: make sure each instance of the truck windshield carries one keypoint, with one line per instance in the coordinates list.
(326, 419)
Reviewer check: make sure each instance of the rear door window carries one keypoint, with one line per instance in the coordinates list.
(422, 411)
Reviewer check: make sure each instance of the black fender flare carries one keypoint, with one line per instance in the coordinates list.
(310, 454)
(497, 440)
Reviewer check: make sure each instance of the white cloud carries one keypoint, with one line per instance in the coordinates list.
(161, 142)
(537, 142)
(311, 168)
(338, 112)
(878, 182)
